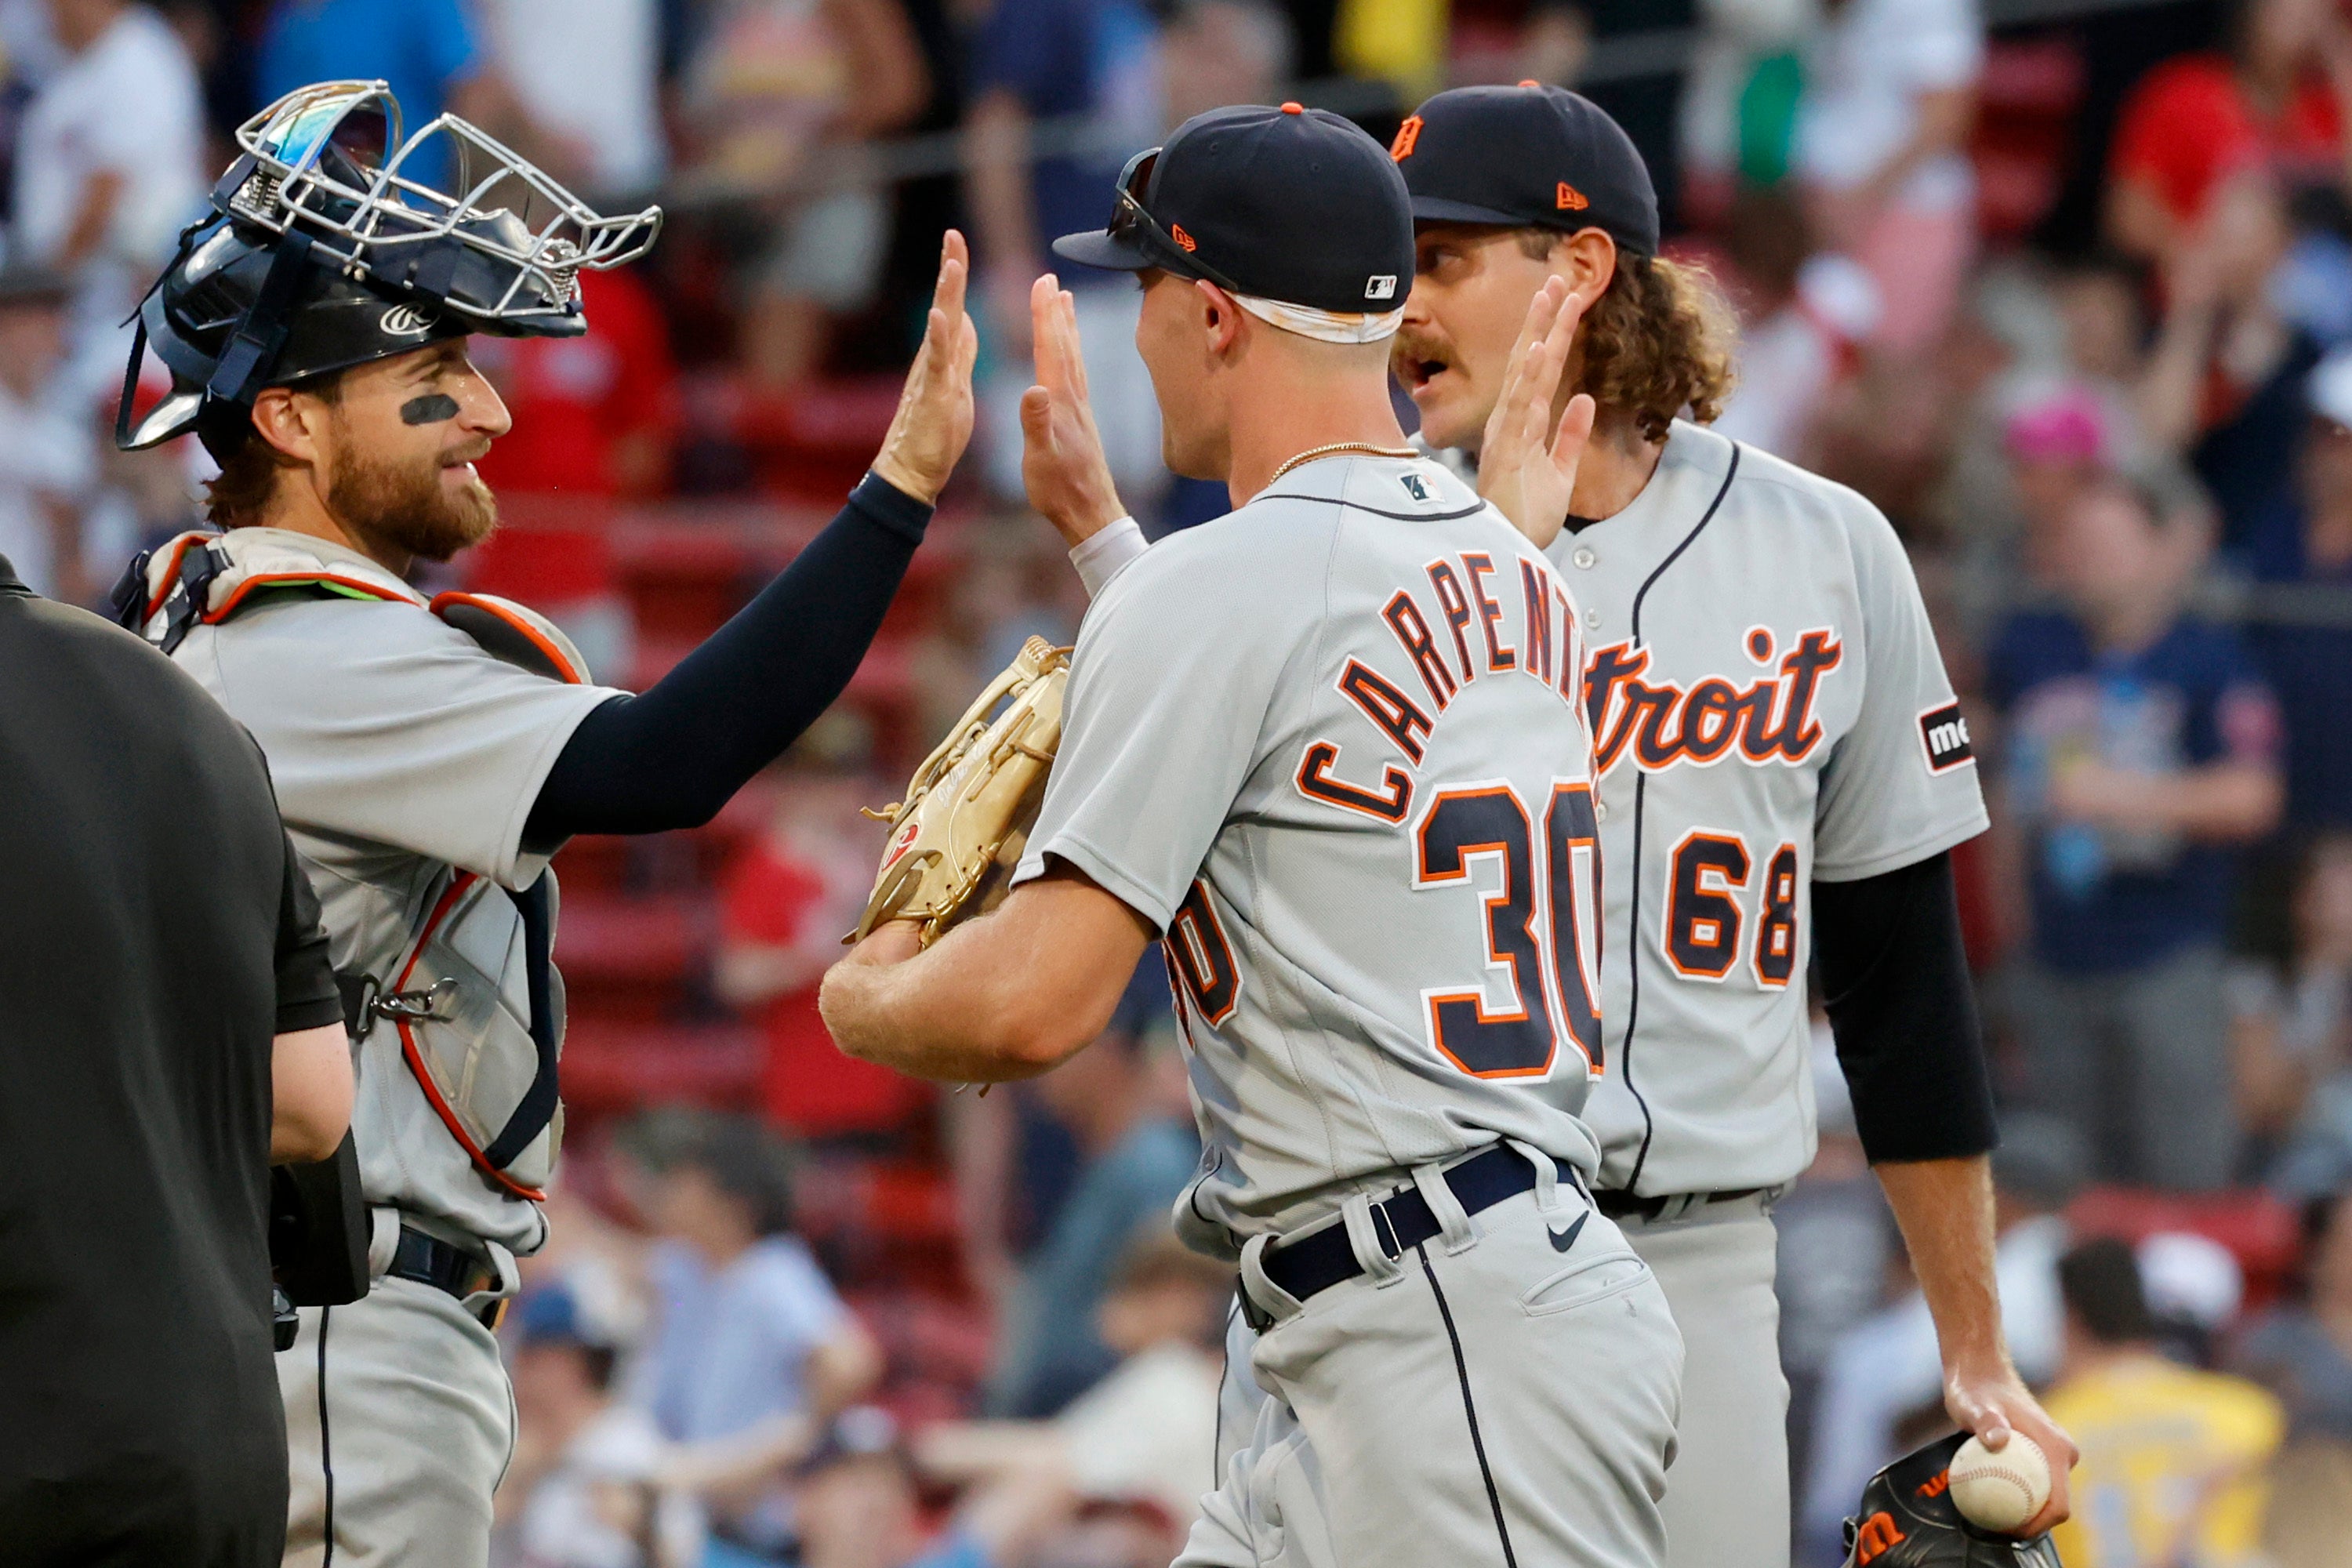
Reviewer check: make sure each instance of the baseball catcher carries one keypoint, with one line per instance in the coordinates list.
(431, 756)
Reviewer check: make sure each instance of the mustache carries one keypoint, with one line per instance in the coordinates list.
(1410, 347)
(472, 451)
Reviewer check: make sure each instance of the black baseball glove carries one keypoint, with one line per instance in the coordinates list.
(1908, 1520)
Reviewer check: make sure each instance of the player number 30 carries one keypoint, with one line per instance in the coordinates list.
(1541, 926)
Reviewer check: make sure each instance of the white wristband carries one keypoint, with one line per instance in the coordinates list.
(1101, 556)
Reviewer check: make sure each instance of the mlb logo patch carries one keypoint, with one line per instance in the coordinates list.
(1945, 734)
(1413, 486)
(1383, 286)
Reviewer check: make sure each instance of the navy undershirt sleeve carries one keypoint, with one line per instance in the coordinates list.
(1904, 1013)
(673, 756)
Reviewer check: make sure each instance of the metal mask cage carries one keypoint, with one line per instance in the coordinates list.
(330, 160)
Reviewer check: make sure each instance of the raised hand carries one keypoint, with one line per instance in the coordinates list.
(1525, 468)
(1062, 462)
(933, 424)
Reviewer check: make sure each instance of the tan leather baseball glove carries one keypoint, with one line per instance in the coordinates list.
(966, 819)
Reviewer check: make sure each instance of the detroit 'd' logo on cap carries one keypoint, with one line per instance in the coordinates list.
(406, 321)
(1408, 137)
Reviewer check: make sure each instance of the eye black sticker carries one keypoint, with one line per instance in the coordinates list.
(433, 409)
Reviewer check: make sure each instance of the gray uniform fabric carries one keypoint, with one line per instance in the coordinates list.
(1500, 1404)
(402, 755)
(1728, 1499)
(400, 751)
(1764, 586)
(418, 1420)
(1702, 750)
(1329, 745)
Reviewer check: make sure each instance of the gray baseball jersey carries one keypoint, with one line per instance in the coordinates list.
(401, 752)
(1769, 708)
(1331, 746)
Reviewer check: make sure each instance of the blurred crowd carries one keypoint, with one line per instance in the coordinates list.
(2066, 289)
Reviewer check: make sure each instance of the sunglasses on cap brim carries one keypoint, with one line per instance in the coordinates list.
(1131, 222)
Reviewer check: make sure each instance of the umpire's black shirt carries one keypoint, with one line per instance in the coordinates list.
(154, 935)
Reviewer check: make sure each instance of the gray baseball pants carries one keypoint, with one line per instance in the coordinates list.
(399, 1422)
(1492, 1396)
(1727, 1503)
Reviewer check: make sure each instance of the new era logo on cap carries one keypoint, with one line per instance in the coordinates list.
(1383, 286)
(1945, 734)
(1571, 199)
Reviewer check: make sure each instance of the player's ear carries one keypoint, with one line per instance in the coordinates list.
(1221, 319)
(290, 422)
(1587, 259)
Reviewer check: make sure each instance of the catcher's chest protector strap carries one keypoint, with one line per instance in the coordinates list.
(203, 579)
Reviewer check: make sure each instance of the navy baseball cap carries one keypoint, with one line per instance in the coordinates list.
(1530, 156)
(1291, 205)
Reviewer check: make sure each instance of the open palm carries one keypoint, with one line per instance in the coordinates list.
(1526, 468)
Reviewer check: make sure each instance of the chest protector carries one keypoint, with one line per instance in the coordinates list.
(490, 1075)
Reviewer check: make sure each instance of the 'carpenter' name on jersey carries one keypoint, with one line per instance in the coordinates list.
(1533, 636)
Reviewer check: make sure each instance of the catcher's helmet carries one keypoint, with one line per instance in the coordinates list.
(1908, 1520)
(320, 254)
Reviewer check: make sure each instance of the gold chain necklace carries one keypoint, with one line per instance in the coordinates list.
(1312, 453)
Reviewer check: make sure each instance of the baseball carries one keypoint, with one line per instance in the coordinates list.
(2000, 1490)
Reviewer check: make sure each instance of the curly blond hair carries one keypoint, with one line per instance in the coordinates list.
(1658, 342)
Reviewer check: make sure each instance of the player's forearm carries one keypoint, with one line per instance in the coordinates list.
(672, 757)
(957, 1012)
(1945, 1210)
(1007, 996)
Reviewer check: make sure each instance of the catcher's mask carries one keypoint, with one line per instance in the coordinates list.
(1908, 1519)
(320, 254)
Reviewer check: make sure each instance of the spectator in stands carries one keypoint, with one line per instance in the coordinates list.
(2226, 373)
(2172, 1457)
(581, 1490)
(594, 415)
(1062, 92)
(776, 98)
(1880, 145)
(427, 50)
(2302, 1350)
(1801, 316)
(2291, 1025)
(2305, 646)
(2274, 101)
(753, 1348)
(858, 1510)
(46, 460)
(1138, 1149)
(587, 75)
(2141, 751)
(109, 166)
(1146, 1432)
(1886, 1371)
(784, 904)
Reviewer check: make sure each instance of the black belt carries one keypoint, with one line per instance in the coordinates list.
(1323, 1259)
(1619, 1205)
(429, 1260)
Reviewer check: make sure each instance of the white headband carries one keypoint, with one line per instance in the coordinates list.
(1325, 326)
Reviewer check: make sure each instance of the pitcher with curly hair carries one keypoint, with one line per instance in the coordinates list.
(1783, 770)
